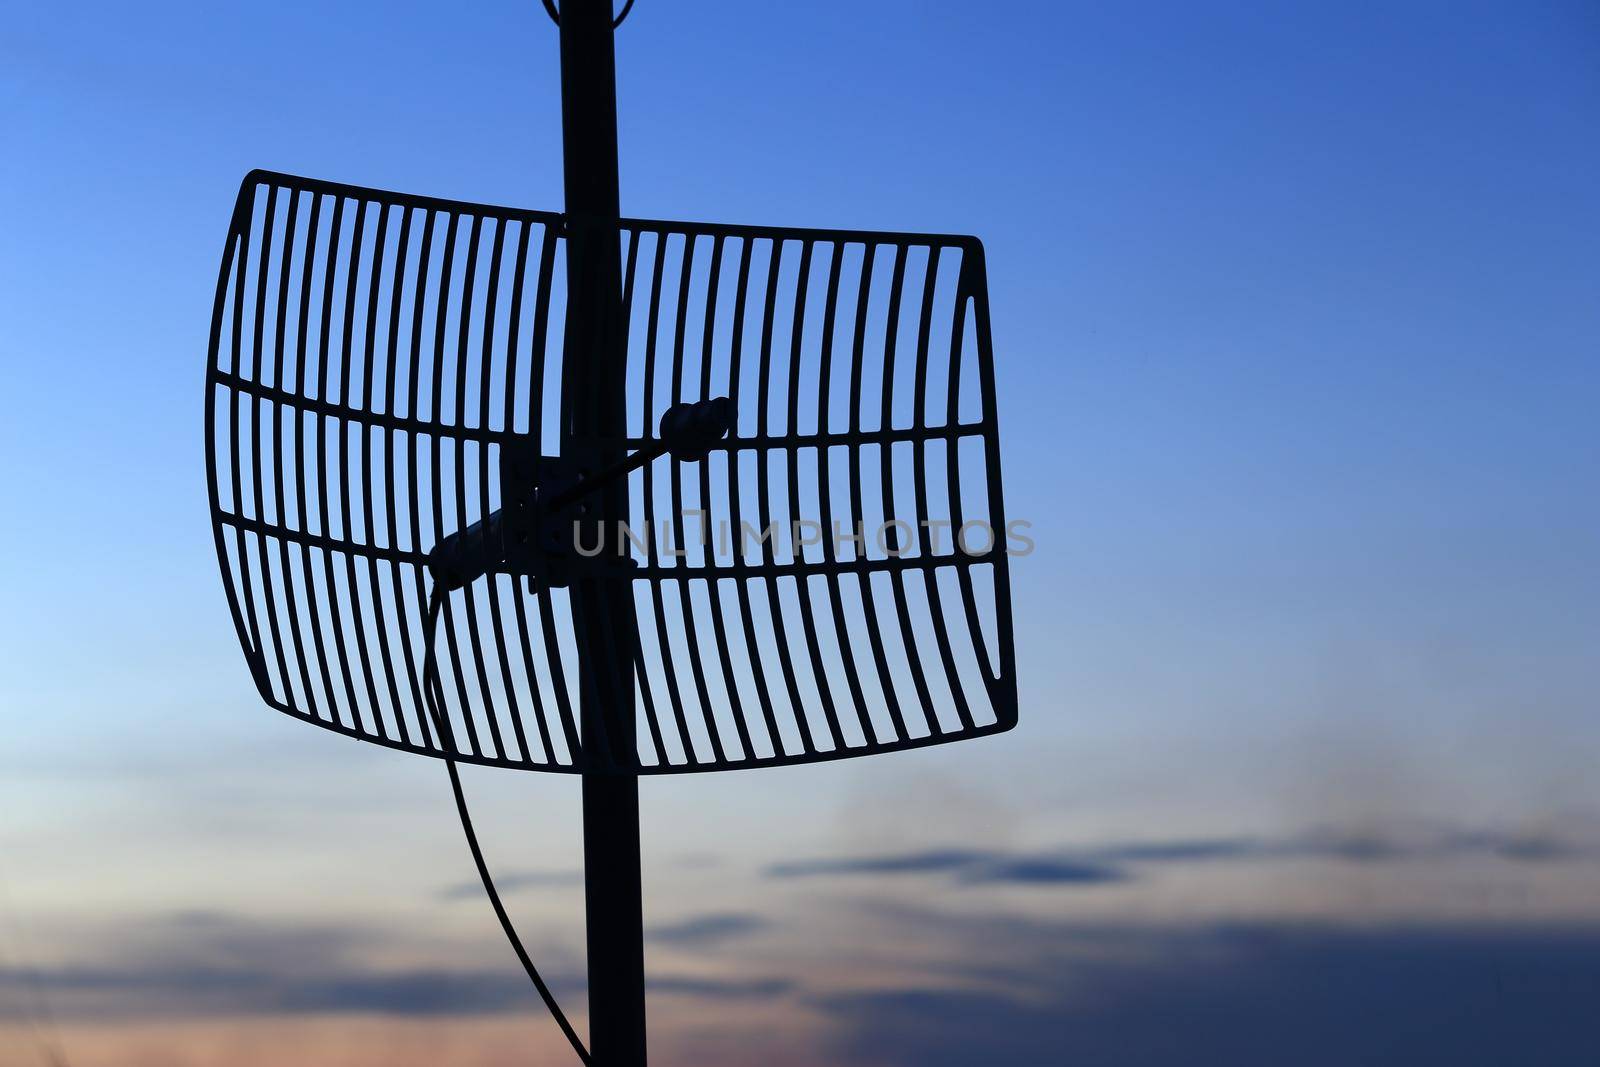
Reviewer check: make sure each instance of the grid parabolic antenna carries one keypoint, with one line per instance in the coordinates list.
(389, 370)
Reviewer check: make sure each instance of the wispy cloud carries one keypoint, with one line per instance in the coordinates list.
(719, 988)
(941, 861)
(1114, 861)
(706, 931)
(174, 992)
(512, 881)
(1040, 870)
(156, 991)
(966, 866)
(209, 964)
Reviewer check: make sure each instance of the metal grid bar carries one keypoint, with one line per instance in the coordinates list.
(391, 509)
(646, 705)
(250, 389)
(764, 498)
(485, 396)
(730, 686)
(363, 658)
(269, 601)
(300, 464)
(858, 701)
(554, 664)
(741, 587)
(450, 303)
(658, 570)
(880, 659)
(680, 520)
(413, 487)
(524, 643)
(920, 474)
(886, 475)
(658, 608)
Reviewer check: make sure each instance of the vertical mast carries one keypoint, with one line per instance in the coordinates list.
(594, 363)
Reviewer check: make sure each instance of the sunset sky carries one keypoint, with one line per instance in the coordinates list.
(1296, 335)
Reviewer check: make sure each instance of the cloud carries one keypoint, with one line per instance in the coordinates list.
(706, 931)
(1200, 995)
(1526, 847)
(209, 964)
(212, 941)
(968, 866)
(112, 993)
(1365, 846)
(934, 862)
(1110, 862)
(1040, 870)
(511, 882)
(174, 991)
(719, 988)
(1178, 851)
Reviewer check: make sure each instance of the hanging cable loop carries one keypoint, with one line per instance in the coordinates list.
(433, 696)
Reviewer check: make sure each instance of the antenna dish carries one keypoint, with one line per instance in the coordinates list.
(829, 580)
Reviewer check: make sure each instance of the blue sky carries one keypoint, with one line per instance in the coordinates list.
(1296, 334)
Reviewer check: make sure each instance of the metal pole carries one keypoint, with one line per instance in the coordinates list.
(595, 368)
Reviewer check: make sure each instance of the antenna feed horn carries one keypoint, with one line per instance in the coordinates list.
(690, 431)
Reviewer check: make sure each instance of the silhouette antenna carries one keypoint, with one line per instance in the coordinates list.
(606, 496)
